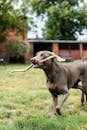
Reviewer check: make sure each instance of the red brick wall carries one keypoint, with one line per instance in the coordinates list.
(55, 48)
(2, 47)
(75, 54)
(12, 35)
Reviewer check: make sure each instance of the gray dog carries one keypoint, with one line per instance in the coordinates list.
(61, 77)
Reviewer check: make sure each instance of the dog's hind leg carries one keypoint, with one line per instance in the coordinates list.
(82, 98)
(84, 92)
(78, 85)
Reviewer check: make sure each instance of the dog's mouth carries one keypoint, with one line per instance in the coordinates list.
(37, 65)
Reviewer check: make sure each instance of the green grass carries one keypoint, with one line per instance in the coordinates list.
(26, 104)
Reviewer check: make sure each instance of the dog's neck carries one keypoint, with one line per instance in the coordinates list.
(50, 71)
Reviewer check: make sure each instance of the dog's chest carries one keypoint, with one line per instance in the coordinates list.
(54, 88)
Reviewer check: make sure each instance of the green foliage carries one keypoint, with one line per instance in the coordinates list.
(12, 18)
(41, 7)
(65, 18)
(16, 50)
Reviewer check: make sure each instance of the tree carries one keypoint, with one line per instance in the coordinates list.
(12, 17)
(65, 18)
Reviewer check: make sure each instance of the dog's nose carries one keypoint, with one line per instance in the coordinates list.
(33, 60)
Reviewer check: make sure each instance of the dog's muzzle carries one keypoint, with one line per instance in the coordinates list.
(36, 63)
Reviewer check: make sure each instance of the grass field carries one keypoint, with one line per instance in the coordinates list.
(26, 104)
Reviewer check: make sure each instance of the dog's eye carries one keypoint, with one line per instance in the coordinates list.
(42, 55)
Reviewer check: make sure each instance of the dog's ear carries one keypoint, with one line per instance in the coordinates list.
(58, 58)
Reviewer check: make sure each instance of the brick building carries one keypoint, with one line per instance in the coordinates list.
(74, 49)
(11, 35)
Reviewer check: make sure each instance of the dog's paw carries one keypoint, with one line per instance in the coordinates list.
(58, 110)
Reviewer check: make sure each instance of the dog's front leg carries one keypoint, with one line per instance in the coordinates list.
(65, 96)
(54, 104)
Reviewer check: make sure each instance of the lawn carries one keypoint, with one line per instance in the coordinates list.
(26, 104)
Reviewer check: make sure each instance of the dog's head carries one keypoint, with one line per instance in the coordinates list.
(44, 58)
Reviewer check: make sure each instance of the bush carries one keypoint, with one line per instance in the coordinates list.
(16, 51)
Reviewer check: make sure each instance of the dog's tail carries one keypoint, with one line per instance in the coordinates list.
(22, 70)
